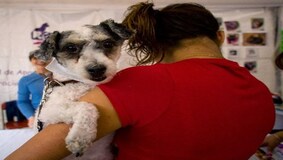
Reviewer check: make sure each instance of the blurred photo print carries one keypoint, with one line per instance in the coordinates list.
(254, 39)
(232, 25)
(233, 53)
(232, 39)
(252, 53)
(251, 66)
(257, 23)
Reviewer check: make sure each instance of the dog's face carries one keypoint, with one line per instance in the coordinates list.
(91, 53)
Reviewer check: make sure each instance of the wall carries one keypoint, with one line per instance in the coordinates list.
(19, 37)
(250, 40)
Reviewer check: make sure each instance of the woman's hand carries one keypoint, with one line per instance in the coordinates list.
(271, 141)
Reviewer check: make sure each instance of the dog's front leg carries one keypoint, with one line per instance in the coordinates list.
(84, 128)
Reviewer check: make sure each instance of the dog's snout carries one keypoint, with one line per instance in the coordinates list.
(97, 72)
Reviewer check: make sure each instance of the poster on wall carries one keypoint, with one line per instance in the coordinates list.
(250, 41)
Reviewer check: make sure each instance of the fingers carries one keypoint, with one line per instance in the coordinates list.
(31, 122)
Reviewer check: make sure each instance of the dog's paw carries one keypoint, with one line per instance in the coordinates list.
(76, 145)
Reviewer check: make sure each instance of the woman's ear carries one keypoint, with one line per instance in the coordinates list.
(220, 37)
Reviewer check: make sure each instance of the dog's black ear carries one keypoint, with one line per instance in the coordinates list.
(49, 46)
(117, 28)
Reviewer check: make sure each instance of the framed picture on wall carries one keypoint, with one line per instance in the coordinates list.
(232, 25)
(254, 39)
(252, 53)
(233, 39)
(257, 23)
(233, 53)
(251, 66)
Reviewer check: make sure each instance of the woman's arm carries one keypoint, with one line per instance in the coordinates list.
(108, 121)
(49, 144)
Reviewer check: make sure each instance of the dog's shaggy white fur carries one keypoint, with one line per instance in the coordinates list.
(62, 106)
(89, 56)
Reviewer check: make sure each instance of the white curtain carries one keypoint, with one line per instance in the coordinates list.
(22, 27)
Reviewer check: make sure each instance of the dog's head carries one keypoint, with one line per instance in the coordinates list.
(91, 53)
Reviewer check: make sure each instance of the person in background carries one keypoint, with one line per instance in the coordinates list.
(183, 100)
(30, 88)
(272, 140)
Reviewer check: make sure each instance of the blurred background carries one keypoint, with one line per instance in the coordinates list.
(253, 28)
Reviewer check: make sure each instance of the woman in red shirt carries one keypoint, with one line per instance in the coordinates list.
(191, 103)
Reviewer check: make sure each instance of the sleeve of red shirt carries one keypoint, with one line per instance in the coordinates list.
(138, 93)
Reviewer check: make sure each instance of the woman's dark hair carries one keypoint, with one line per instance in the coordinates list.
(162, 30)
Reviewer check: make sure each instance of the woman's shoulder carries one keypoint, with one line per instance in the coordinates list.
(149, 68)
(143, 71)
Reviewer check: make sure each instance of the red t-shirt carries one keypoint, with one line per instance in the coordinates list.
(196, 109)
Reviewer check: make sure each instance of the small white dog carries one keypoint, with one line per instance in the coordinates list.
(90, 57)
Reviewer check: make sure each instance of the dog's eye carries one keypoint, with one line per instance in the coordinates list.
(108, 44)
(71, 48)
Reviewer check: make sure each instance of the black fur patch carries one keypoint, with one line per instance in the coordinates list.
(50, 46)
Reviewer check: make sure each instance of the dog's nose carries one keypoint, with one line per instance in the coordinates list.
(96, 71)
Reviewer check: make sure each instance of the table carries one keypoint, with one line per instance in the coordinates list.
(11, 139)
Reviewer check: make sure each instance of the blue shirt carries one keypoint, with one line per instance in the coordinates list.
(30, 90)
